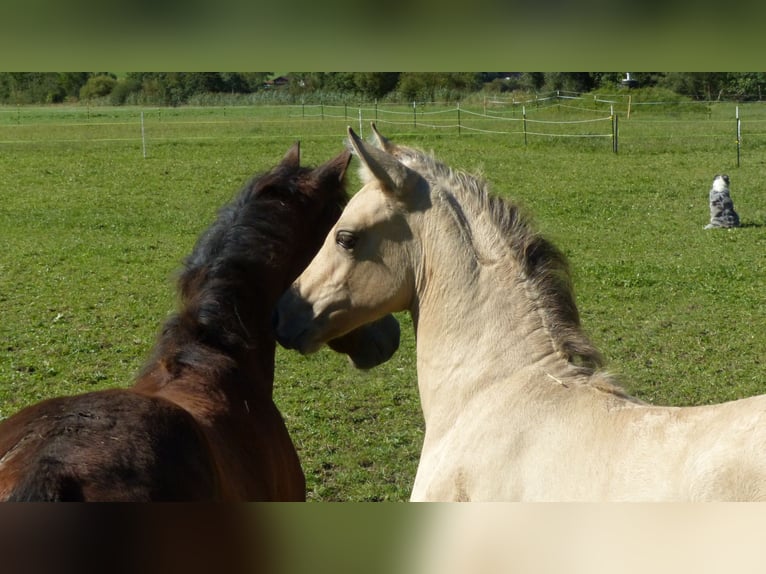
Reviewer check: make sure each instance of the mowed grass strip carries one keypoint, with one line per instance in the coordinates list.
(92, 234)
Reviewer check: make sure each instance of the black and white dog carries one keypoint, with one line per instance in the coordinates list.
(722, 212)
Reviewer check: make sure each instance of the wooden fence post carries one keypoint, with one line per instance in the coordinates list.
(524, 122)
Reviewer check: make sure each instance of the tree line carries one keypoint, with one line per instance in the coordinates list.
(178, 88)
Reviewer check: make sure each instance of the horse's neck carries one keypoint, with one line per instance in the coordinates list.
(183, 365)
(475, 322)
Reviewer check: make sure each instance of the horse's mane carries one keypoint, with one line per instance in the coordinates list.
(545, 268)
(240, 264)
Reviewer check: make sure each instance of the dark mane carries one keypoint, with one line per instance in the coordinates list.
(237, 269)
(544, 266)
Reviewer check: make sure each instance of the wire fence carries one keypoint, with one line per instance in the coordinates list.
(608, 122)
(461, 118)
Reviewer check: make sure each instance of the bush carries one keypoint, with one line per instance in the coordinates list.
(122, 89)
(97, 87)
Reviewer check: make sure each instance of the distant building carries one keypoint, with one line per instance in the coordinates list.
(629, 82)
(277, 82)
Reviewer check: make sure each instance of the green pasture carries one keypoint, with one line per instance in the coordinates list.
(92, 232)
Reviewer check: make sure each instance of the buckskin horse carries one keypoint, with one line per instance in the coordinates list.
(199, 423)
(516, 405)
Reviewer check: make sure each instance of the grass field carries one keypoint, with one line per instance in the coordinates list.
(92, 233)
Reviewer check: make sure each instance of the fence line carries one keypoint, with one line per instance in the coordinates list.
(557, 119)
(417, 116)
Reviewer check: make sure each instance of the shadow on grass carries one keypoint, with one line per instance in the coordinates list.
(746, 224)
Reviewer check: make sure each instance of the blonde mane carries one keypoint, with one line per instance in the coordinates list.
(545, 269)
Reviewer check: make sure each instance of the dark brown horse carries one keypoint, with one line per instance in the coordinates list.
(199, 423)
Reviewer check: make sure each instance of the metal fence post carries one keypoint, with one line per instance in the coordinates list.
(739, 135)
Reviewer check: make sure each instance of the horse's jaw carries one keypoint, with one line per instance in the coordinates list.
(370, 345)
(367, 346)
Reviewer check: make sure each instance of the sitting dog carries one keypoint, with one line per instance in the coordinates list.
(722, 212)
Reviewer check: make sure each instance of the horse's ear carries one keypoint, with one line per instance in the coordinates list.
(293, 156)
(395, 177)
(334, 168)
(380, 141)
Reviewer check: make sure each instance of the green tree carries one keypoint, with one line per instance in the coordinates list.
(255, 81)
(72, 82)
(746, 85)
(202, 83)
(98, 86)
(123, 89)
(699, 85)
(376, 85)
(343, 82)
(32, 88)
(532, 81)
(570, 81)
(234, 82)
(301, 83)
(424, 86)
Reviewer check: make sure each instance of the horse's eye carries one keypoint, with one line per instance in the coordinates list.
(346, 240)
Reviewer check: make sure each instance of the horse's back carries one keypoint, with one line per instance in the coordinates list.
(576, 443)
(104, 446)
(729, 446)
